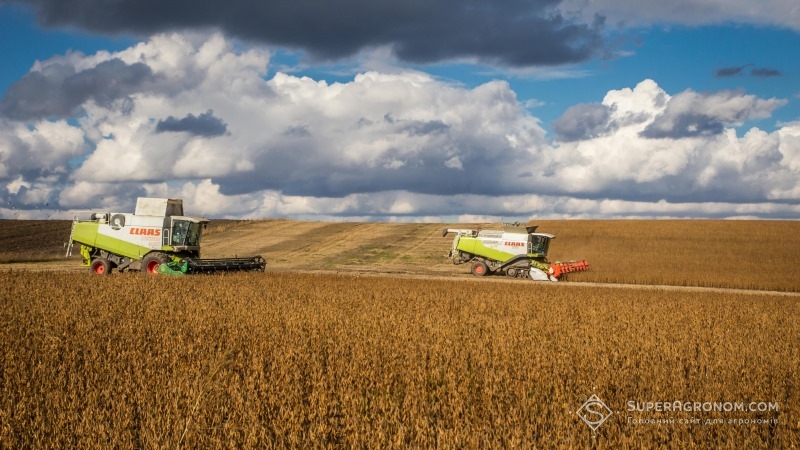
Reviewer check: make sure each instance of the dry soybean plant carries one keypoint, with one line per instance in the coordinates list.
(288, 360)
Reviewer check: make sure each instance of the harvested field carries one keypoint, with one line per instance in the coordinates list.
(732, 254)
(759, 255)
(33, 240)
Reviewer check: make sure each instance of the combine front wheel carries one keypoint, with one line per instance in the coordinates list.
(150, 263)
(100, 266)
(479, 269)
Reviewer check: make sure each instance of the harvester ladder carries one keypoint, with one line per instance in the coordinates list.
(71, 233)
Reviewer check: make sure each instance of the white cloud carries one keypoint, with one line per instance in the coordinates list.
(204, 199)
(398, 146)
(41, 147)
(15, 185)
(677, 147)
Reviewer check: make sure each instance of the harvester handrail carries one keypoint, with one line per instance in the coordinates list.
(71, 234)
(468, 231)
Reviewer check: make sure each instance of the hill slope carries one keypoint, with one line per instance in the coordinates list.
(33, 240)
(734, 254)
(338, 245)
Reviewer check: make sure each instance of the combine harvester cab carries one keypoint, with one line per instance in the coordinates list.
(514, 251)
(156, 238)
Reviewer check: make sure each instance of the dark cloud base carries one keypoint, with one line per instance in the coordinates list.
(205, 124)
(508, 32)
(58, 89)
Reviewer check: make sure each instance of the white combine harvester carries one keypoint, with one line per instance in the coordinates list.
(156, 238)
(514, 251)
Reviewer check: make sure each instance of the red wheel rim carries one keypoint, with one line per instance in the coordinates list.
(152, 266)
(99, 269)
(479, 270)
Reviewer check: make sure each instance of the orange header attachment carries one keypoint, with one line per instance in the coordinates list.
(560, 268)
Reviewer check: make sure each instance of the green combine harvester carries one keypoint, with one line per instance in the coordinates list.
(156, 238)
(514, 251)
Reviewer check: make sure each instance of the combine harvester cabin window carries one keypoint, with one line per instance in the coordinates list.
(185, 233)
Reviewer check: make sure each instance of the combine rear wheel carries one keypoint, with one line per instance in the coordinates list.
(150, 263)
(100, 266)
(479, 269)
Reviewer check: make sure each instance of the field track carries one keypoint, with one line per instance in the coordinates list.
(574, 284)
(72, 267)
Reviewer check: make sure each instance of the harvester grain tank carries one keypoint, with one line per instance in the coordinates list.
(514, 251)
(156, 238)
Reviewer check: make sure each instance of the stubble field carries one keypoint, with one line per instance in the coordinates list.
(761, 255)
(354, 353)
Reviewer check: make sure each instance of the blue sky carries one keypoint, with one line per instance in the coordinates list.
(427, 111)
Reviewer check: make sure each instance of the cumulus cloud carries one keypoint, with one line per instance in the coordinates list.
(687, 114)
(56, 90)
(583, 121)
(510, 32)
(693, 114)
(204, 198)
(679, 148)
(40, 149)
(397, 146)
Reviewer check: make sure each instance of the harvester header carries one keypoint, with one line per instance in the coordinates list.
(156, 238)
(514, 251)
